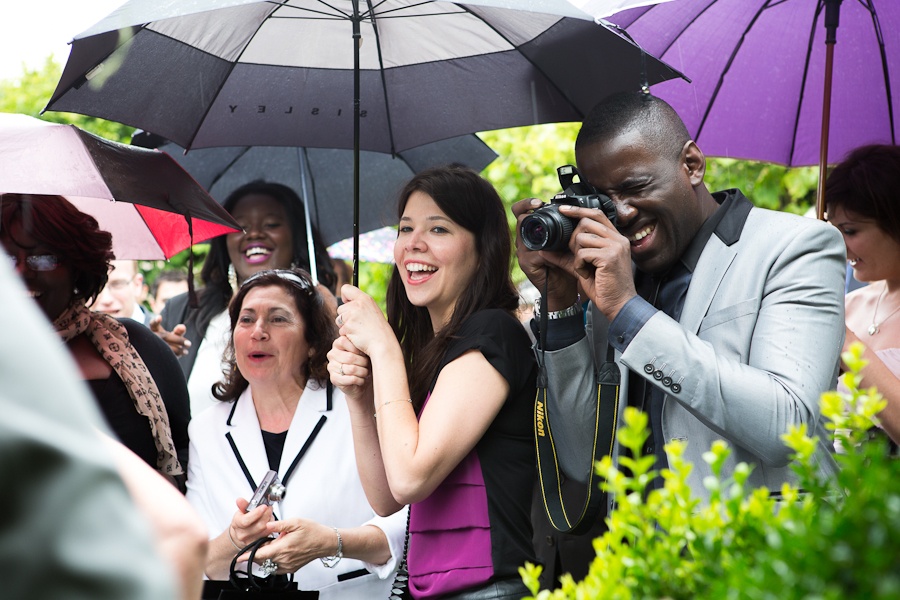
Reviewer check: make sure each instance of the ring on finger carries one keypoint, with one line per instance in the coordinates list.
(340, 320)
(269, 567)
(342, 369)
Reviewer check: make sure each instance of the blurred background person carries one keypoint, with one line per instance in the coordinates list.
(121, 296)
(343, 271)
(274, 237)
(277, 412)
(167, 284)
(862, 196)
(63, 258)
(454, 398)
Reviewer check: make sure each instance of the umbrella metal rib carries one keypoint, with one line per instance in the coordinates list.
(384, 86)
(884, 65)
(809, 51)
(734, 53)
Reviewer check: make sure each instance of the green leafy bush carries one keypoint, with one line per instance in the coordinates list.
(835, 539)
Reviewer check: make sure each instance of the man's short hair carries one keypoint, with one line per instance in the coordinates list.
(171, 276)
(635, 111)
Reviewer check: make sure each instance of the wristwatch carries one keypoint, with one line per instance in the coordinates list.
(571, 311)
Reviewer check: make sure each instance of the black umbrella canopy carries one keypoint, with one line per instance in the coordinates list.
(261, 73)
(322, 176)
(243, 72)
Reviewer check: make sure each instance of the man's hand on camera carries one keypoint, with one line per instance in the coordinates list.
(562, 289)
(602, 260)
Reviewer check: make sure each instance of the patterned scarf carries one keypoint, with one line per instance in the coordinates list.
(110, 339)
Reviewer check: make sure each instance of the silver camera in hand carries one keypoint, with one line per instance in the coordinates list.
(268, 493)
(547, 228)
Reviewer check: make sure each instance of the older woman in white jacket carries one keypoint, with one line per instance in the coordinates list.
(278, 412)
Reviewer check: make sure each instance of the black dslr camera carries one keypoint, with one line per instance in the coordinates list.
(268, 493)
(547, 228)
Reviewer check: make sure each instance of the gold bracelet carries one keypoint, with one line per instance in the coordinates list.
(388, 402)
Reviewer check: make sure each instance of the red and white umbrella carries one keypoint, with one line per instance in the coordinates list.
(142, 197)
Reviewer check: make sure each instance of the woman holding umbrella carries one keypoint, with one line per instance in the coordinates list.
(453, 433)
(274, 237)
(862, 199)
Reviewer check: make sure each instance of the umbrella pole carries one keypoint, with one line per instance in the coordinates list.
(357, 38)
(832, 17)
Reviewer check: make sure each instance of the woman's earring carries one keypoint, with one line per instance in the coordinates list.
(232, 278)
(294, 265)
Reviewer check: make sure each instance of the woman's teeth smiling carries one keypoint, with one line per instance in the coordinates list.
(419, 270)
(257, 253)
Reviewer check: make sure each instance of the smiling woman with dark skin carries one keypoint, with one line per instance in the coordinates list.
(274, 237)
(63, 258)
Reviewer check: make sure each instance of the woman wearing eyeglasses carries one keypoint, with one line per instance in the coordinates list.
(63, 258)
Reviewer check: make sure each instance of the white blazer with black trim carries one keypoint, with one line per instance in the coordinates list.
(324, 485)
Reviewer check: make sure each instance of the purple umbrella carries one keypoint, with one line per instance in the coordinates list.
(759, 71)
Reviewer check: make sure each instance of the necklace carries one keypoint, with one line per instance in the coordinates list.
(873, 328)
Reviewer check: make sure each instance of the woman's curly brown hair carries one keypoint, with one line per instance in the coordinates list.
(320, 331)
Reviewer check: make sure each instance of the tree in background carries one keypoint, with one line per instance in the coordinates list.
(29, 94)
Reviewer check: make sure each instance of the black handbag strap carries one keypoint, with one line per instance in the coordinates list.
(608, 379)
(241, 583)
(400, 587)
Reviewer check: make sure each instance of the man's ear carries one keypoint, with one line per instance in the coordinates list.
(694, 161)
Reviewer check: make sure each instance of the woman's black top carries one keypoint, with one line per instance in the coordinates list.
(132, 428)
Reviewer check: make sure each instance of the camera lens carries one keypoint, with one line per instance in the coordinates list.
(535, 232)
(276, 492)
(546, 229)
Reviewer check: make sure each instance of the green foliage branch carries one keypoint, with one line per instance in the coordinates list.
(823, 539)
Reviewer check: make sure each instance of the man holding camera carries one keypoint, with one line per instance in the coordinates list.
(726, 319)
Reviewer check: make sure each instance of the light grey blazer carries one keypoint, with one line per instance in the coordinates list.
(758, 342)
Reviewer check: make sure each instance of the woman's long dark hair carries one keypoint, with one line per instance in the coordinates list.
(217, 292)
(319, 330)
(75, 237)
(471, 202)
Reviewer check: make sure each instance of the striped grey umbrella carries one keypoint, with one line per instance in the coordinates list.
(379, 75)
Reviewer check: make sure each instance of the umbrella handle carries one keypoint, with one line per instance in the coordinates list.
(832, 20)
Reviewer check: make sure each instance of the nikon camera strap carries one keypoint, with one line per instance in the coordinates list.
(608, 380)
